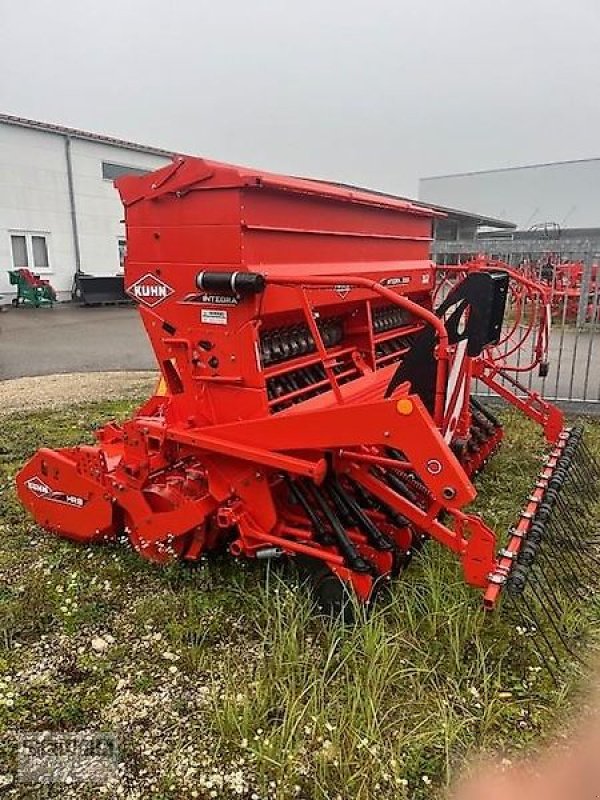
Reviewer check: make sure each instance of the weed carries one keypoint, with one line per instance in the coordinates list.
(222, 680)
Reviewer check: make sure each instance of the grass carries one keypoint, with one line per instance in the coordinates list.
(219, 681)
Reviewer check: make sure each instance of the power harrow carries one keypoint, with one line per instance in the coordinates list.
(317, 393)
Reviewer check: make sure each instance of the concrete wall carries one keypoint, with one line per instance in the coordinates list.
(34, 198)
(566, 193)
(97, 202)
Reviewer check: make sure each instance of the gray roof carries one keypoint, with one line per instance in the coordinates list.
(76, 133)
(562, 192)
(511, 168)
(459, 215)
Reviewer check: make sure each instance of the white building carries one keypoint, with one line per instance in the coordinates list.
(563, 194)
(59, 210)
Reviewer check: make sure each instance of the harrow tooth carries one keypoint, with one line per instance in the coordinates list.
(543, 604)
(563, 580)
(533, 617)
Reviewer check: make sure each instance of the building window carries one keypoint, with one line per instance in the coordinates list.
(111, 171)
(39, 248)
(19, 251)
(122, 253)
(30, 251)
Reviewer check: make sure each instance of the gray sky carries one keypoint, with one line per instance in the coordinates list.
(376, 93)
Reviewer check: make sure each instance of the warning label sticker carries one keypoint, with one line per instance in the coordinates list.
(211, 316)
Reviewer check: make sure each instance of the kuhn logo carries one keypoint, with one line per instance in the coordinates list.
(40, 489)
(342, 289)
(150, 290)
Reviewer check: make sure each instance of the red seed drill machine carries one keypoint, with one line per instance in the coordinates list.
(316, 402)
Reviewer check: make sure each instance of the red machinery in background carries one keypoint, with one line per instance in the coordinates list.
(566, 282)
(318, 373)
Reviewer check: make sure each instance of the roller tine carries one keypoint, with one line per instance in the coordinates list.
(568, 531)
(594, 540)
(581, 591)
(590, 460)
(540, 575)
(577, 544)
(559, 577)
(589, 559)
(540, 629)
(582, 475)
(566, 580)
(533, 550)
(543, 659)
(569, 523)
(564, 542)
(584, 469)
(542, 606)
(574, 566)
(570, 565)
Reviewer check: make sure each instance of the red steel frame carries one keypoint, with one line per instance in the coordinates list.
(204, 461)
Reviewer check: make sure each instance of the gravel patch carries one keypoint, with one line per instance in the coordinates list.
(58, 391)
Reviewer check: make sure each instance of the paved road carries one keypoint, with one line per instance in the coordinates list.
(66, 338)
(75, 339)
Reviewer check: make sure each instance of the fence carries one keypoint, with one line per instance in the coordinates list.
(573, 272)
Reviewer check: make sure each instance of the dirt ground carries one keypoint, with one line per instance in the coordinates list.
(61, 391)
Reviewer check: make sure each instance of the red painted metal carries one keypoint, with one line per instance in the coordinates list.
(280, 392)
(565, 283)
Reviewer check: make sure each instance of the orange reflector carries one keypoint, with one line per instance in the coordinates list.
(404, 406)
